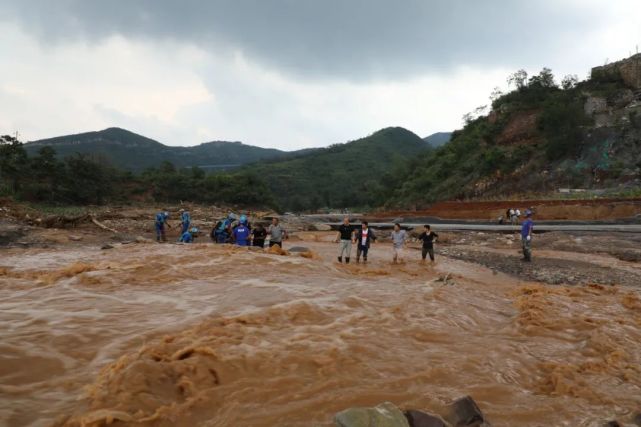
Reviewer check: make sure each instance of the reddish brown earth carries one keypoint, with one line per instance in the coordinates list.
(521, 129)
(596, 209)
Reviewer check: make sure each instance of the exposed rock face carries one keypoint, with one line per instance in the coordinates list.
(629, 70)
(595, 104)
(521, 129)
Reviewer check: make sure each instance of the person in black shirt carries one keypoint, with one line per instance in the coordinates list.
(258, 236)
(345, 234)
(428, 237)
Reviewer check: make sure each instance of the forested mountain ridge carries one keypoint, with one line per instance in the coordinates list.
(130, 151)
(352, 174)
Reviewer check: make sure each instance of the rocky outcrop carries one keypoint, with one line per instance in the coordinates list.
(383, 415)
(628, 70)
(595, 105)
(423, 419)
(463, 412)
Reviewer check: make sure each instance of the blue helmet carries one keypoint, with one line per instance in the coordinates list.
(194, 230)
(528, 212)
(243, 219)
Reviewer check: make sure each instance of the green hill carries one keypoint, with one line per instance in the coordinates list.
(353, 174)
(133, 152)
(437, 139)
(538, 139)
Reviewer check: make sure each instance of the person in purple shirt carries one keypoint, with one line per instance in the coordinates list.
(526, 236)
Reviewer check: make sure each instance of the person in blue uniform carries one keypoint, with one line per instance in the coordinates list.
(161, 222)
(223, 230)
(189, 235)
(185, 221)
(242, 233)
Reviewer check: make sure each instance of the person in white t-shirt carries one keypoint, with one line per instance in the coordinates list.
(363, 238)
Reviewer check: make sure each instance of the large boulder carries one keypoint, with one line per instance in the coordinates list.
(423, 419)
(383, 415)
(464, 412)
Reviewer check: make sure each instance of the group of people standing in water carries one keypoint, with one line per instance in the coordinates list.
(240, 232)
(364, 236)
(231, 229)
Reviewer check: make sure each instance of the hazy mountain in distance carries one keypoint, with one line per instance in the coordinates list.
(437, 139)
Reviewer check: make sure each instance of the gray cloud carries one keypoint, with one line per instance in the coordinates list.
(355, 39)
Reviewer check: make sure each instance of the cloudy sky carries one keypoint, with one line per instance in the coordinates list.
(285, 73)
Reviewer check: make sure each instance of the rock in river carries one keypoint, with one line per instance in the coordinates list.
(464, 412)
(383, 415)
(423, 419)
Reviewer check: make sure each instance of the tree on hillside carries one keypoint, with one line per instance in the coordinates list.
(88, 181)
(569, 81)
(496, 94)
(471, 116)
(48, 173)
(197, 173)
(13, 163)
(518, 79)
(544, 79)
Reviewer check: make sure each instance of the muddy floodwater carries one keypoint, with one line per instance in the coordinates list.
(205, 335)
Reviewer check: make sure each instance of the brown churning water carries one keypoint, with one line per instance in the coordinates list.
(215, 336)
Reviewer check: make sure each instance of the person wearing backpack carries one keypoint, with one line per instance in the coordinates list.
(189, 236)
(223, 231)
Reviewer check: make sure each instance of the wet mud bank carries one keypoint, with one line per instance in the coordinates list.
(544, 268)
